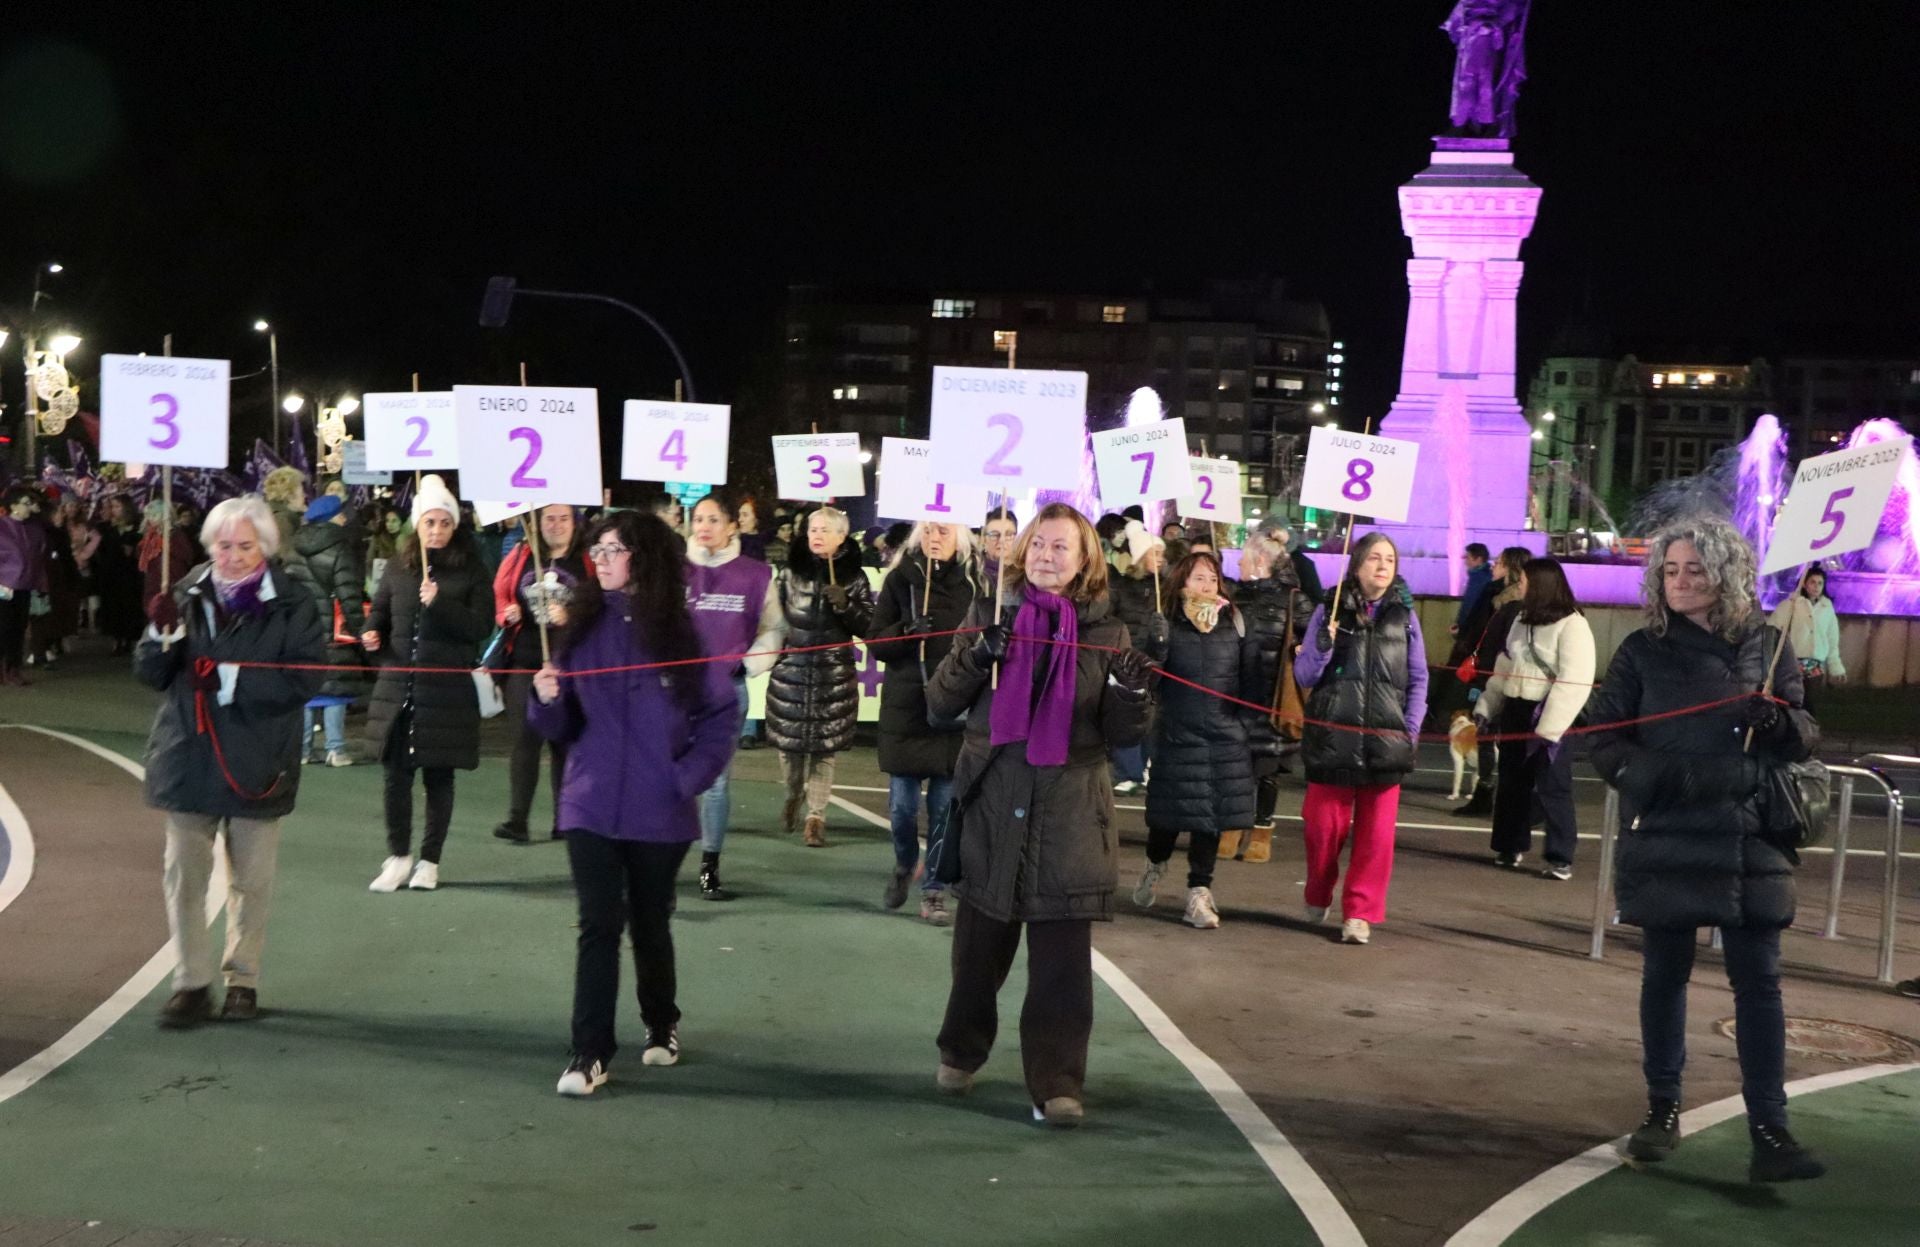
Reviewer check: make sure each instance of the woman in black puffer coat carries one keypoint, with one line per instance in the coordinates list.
(1700, 843)
(1202, 768)
(1276, 610)
(326, 562)
(426, 723)
(813, 699)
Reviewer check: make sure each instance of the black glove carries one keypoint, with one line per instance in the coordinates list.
(1131, 669)
(1763, 715)
(991, 645)
(837, 597)
(163, 612)
(1157, 638)
(919, 625)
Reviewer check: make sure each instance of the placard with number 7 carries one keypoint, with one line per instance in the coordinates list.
(685, 443)
(411, 432)
(1216, 492)
(163, 409)
(530, 444)
(1142, 463)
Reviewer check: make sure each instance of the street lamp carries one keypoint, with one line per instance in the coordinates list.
(497, 304)
(273, 366)
(292, 404)
(64, 344)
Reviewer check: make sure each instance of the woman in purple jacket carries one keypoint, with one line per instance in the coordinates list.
(642, 746)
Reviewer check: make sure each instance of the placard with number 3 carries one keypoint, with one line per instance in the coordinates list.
(164, 410)
(530, 444)
(685, 443)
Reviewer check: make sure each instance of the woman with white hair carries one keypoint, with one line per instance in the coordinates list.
(426, 723)
(224, 752)
(813, 694)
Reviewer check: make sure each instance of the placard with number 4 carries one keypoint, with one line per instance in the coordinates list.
(163, 409)
(685, 443)
(529, 444)
(411, 432)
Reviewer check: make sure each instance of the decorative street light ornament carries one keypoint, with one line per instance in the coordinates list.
(64, 404)
(333, 462)
(333, 427)
(49, 378)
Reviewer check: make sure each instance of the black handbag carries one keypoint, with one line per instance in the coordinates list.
(1799, 796)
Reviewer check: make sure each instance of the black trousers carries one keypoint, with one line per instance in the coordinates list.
(14, 617)
(1266, 790)
(1056, 1019)
(399, 800)
(622, 884)
(1527, 776)
(523, 770)
(1760, 1019)
(1203, 850)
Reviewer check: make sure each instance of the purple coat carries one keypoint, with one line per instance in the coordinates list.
(23, 554)
(638, 760)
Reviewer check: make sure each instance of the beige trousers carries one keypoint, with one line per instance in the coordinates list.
(253, 854)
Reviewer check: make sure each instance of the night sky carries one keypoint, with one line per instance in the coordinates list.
(1727, 178)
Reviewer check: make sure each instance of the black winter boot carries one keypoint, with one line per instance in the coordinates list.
(710, 889)
(1777, 1157)
(1659, 1133)
(1480, 805)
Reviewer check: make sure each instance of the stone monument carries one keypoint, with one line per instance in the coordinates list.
(1467, 214)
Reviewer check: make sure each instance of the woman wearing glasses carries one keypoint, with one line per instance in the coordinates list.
(641, 747)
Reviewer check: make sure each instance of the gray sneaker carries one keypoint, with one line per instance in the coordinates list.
(897, 888)
(933, 909)
(1143, 891)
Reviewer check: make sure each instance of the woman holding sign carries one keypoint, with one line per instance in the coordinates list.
(736, 610)
(1694, 753)
(931, 586)
(1049, 687)
(528, 593)
(640, 748)
(813, 699)
(426, 723)
(1367, 668)
(1813, 629)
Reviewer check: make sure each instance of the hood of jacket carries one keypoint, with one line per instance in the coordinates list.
(807, 565)
(697, 553)
(312, 539)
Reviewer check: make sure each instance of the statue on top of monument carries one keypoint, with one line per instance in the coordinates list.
(1491, 62)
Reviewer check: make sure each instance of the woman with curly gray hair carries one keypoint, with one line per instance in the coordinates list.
(1683, 697)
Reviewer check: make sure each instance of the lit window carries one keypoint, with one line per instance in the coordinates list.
(1659, 378)
(1003, 339)
(1336, 359)
(1114, 313)
(1706, 378)
(1261, 381)
(1333, 372)
(1290, 383)
(1913, 378)
(838, 393)
(953, 309)
(1333, 385)
(1339, 346)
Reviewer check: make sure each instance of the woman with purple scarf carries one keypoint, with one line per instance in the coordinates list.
(224, 753)
(1049, 688)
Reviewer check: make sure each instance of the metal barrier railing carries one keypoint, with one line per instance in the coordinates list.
(1605, 915)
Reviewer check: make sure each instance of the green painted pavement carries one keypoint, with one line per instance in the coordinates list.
(399, 1088)
(1867, 1133)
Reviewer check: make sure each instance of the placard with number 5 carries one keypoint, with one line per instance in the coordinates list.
(816, 467)
(685, 443)
(1216, 492)
(1010, 429)
(1834, 504)
(1142, 463)
(409, 432)
(163, 409)
(1359, 473)
(912, 489)
(529, 444)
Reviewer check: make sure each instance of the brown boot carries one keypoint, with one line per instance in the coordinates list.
(816, 832)
(1259, 844)
(1230, 843)
(787, 814)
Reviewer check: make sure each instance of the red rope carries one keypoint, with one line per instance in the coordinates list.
(203, 724)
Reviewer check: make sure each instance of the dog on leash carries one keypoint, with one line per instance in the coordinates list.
(1463, 742)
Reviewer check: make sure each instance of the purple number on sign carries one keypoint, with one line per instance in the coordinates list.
(939, 502)
(166, 421)
(816, 471)
(415, 451)
(1359, 471)
(1147, 478)
(520, 479)
(1206, 492)
(996, 464)
(675, 451)
(1838, 519)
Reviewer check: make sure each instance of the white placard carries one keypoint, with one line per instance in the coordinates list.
(353, 466)
(163, 409)
(1834, 504)
(411, 432)
(485, 513)
(1359, 473)
(1143, 463)
(910, 488)
(1216, 492)
(529, 444)
(1010, 429)
(680, 442)
(818, 467)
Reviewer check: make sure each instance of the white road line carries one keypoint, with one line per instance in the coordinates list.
(1513, 1210)
(1309, 1192)
(135, 989)
(13, 824)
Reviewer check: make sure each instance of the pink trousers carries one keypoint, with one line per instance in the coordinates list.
(1331, 813)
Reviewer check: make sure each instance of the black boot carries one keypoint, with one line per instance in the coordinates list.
(514, 829)
(1778, 1158)
(710, 889)
(1659, 1134)
(1480, 804)
(187, 1008)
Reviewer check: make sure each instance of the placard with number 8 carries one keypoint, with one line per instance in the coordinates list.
(411, 432)
(531, 444)
(1359, 474)
(163, 410)
(685, 443)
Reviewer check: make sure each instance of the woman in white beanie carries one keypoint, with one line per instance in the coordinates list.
(426, 723)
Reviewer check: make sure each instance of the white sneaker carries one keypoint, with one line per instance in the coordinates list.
(1143, 891)
(1355, 931)
(1126, 787)
(582, 1076)
(1316, 914)
(338, 757)
(1200, 911)
(662, 1051)
(393, 873)
(426, 877)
